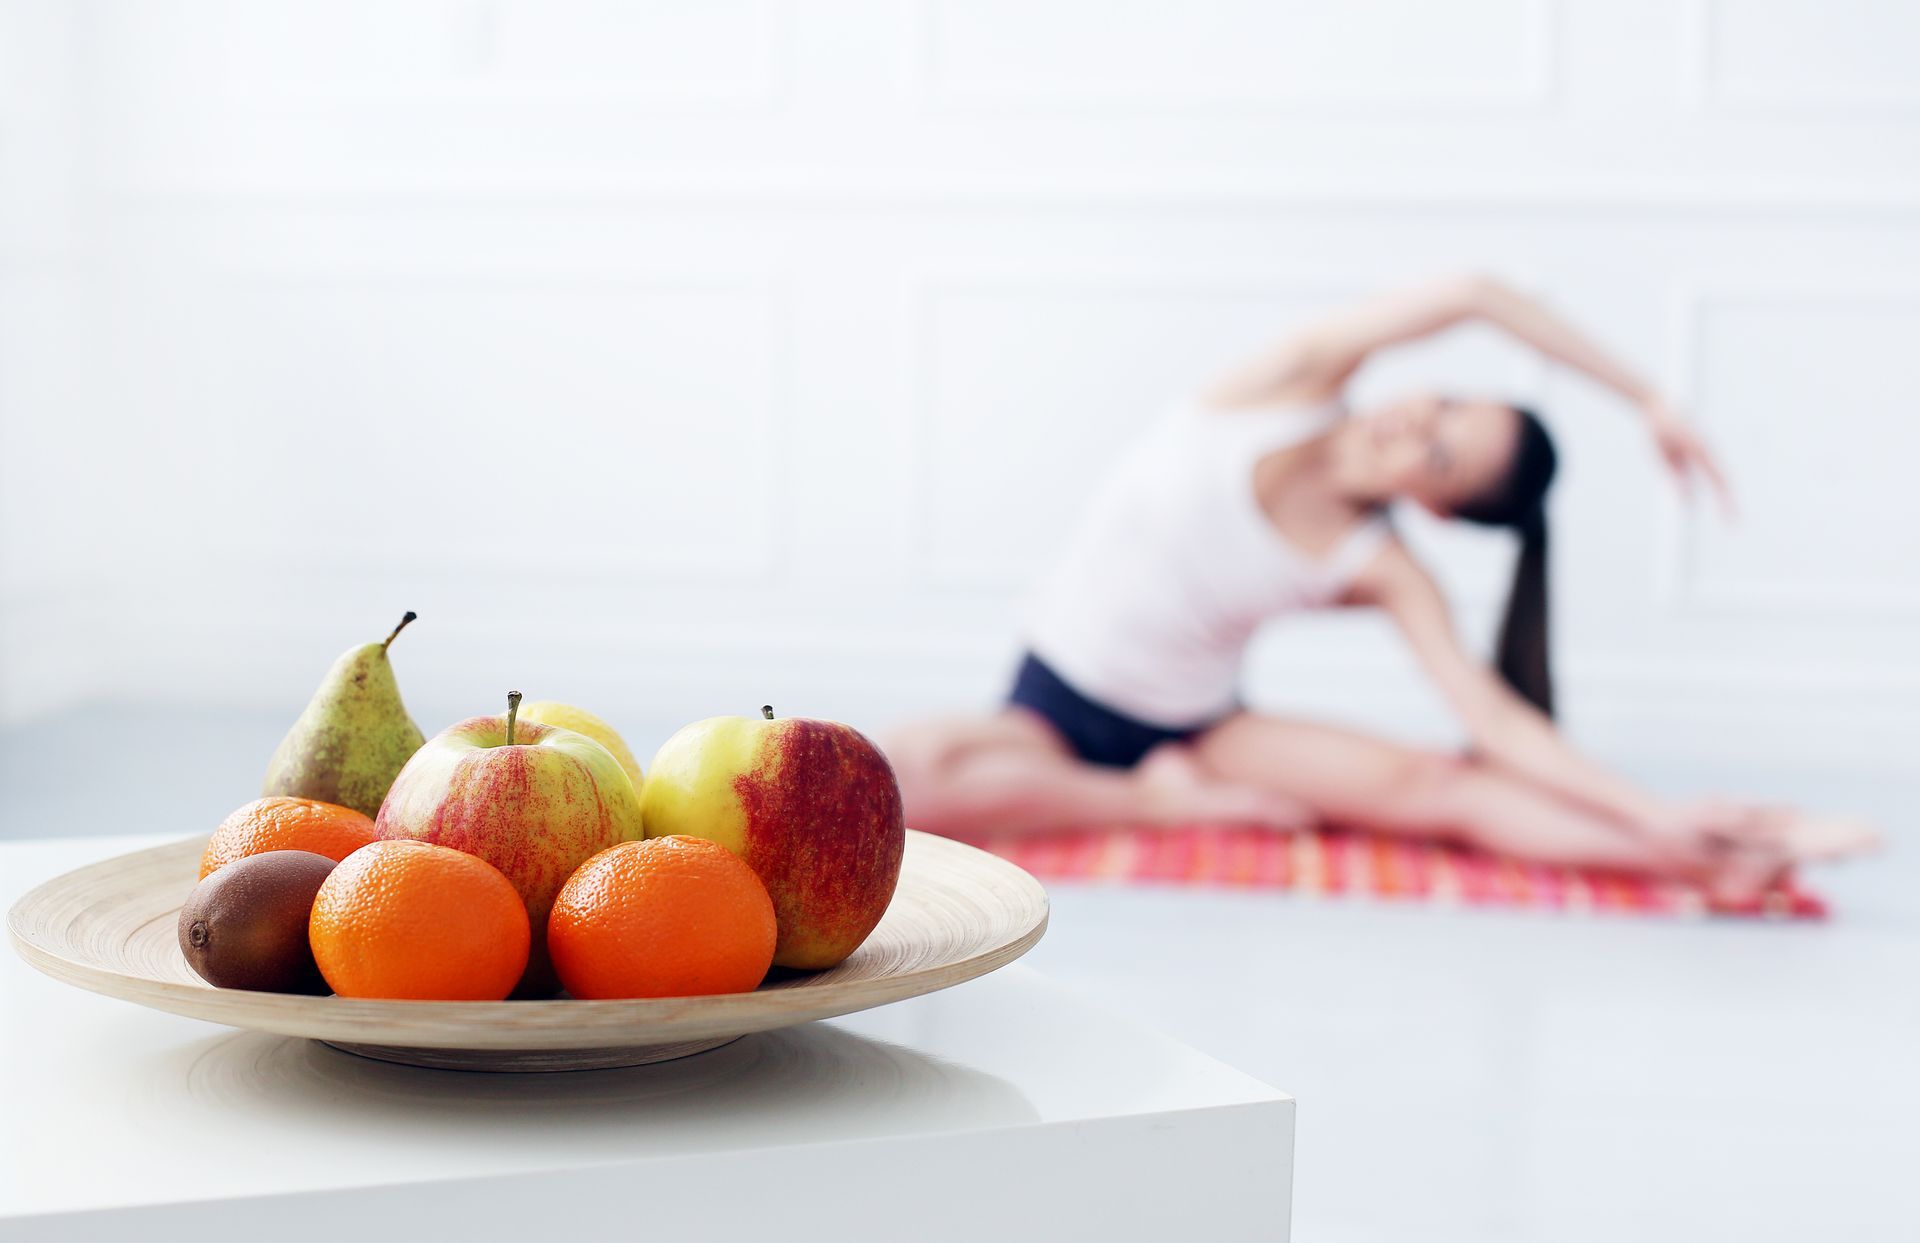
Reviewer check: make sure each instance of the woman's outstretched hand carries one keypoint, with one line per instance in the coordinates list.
(1724, 846)
(1685, 453)
(1698, 831)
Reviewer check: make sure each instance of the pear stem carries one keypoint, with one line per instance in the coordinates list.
(411, 615)
(766, 710)
(513, 710)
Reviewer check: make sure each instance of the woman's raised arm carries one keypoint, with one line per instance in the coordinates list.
(1527, 320)
(1315, 363)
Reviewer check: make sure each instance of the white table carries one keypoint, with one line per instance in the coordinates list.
(1007, 1108)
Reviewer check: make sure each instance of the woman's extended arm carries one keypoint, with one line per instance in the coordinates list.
(1505, 729)
(1315, 363)
(1528, 320)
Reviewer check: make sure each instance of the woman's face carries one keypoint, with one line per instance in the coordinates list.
(1439, 451)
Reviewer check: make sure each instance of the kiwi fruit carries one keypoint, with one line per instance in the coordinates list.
(245, 926)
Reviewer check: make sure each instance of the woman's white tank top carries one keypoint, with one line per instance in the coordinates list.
(1175, 565)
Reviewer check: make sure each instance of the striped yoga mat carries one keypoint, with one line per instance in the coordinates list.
(1332, 863)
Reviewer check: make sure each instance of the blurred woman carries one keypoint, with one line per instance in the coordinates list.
(1268, 497)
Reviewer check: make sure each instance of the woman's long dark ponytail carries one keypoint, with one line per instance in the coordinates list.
(1521, 653)
(1519, 502)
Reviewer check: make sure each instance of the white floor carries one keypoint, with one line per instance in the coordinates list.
(1461, 1075)
(1486, 1076)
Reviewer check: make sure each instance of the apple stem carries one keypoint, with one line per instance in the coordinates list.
(766, 710)
(411, 615)
(513, 710)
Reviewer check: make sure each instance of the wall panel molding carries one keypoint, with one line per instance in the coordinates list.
(1687, 587)
(1891, 91)
(528, 189)
(639, 56)
(688, 554)
(1260, 85)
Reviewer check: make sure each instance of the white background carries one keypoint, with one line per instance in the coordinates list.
(672, 358)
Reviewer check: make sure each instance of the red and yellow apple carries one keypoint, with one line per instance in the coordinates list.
(534, 800)
(812, 806)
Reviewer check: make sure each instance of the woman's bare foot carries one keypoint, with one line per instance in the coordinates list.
(1178, 790)
(1810, 838)
(1740, 853)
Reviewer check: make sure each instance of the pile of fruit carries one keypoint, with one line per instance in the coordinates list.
(520, 854)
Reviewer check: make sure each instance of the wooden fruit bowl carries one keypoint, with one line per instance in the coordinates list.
(110, 927)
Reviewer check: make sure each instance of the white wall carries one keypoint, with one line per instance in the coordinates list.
(673, 357)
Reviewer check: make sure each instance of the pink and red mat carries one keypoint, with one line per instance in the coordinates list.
(1338, 864)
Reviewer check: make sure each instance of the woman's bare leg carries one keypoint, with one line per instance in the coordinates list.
(1362, 782)
(1012, 773)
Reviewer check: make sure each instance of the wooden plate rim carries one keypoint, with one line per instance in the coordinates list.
(552, 1024)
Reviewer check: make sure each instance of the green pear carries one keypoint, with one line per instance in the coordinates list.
(354, 736)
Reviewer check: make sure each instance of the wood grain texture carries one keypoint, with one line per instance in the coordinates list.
(110, 927)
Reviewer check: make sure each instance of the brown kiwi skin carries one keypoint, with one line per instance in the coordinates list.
(245, 926)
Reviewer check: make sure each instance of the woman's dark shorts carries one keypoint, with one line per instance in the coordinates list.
(1097, 733)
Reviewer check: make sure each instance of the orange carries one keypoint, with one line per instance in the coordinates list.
(412, 921)
(286, 824)
(666, 917)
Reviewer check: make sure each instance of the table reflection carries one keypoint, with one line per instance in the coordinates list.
(808, 1083)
